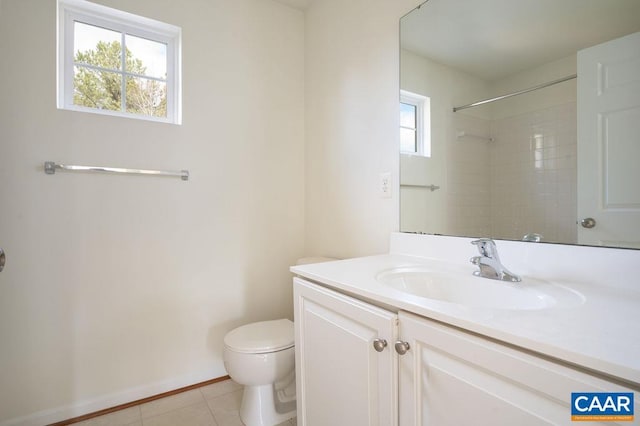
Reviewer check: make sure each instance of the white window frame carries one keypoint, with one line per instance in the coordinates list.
(70, 11)
(423, 122)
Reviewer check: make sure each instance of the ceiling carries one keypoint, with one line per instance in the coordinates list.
(492, 39)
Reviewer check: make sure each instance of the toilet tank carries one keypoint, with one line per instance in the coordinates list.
(314, 259)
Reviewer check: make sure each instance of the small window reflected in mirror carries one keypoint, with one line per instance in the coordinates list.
(415, 124)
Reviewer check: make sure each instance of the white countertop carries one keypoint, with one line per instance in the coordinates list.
(602, 333)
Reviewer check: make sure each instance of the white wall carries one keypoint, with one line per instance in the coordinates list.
(119, 287)
(352, 122)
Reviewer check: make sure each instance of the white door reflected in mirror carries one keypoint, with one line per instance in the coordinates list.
(608, 148)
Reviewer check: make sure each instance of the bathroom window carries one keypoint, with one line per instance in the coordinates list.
(116, 63)
(415, 124)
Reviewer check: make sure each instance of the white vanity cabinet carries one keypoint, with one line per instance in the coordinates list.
(452, 377)
(447, 376)
(341, 378)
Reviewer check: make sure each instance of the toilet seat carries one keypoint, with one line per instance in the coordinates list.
(261, 337)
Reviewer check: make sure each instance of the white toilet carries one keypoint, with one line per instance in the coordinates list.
(261, 356)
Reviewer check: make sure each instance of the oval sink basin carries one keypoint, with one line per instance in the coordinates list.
(477, 292)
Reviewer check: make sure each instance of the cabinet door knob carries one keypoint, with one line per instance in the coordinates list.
(402, 347)
(379, 345)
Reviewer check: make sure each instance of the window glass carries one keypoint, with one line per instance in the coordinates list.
(146, 96)
(415, 124)
(97, 89)
(408, 140)
(408, 128)
(149, 58)
(96, 46)
(407, 115)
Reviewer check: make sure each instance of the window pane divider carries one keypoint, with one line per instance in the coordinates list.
(115, 71)
(123, 83)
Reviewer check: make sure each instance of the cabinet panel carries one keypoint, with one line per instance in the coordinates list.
(341, 378)
(450, 377)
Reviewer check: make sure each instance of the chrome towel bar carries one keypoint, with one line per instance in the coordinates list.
(50, 168)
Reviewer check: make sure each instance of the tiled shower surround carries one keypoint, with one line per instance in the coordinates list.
(521, 181)
(533, 167)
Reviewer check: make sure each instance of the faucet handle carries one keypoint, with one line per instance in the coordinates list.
(486, 247)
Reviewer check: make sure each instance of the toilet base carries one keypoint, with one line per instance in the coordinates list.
(258, 407)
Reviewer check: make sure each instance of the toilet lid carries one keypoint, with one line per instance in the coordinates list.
(261, 337)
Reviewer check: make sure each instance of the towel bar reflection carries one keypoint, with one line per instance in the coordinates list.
(429, 187)
(50, 168)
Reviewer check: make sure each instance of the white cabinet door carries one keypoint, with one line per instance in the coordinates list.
(450, 377)
(341, 378)
(608, 142)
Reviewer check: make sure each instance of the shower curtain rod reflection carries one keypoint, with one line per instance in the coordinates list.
(520, 92)
(50, 168)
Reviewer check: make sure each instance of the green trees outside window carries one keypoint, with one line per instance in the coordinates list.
(98, 83)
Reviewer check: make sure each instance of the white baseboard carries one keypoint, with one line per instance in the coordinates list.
(81, 408)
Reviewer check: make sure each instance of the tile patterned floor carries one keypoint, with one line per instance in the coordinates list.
(212, 405)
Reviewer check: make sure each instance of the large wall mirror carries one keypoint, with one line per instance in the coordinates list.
(521, 120)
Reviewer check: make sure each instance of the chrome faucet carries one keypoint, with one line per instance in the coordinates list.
(532, 237)
(489, 262)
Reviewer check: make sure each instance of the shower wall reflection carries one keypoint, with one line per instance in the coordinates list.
(533, 165)
(506, 169)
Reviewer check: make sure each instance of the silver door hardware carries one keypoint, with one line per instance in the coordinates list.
(588, 222)
(3, 259)
(402, 347)
(379, 345)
